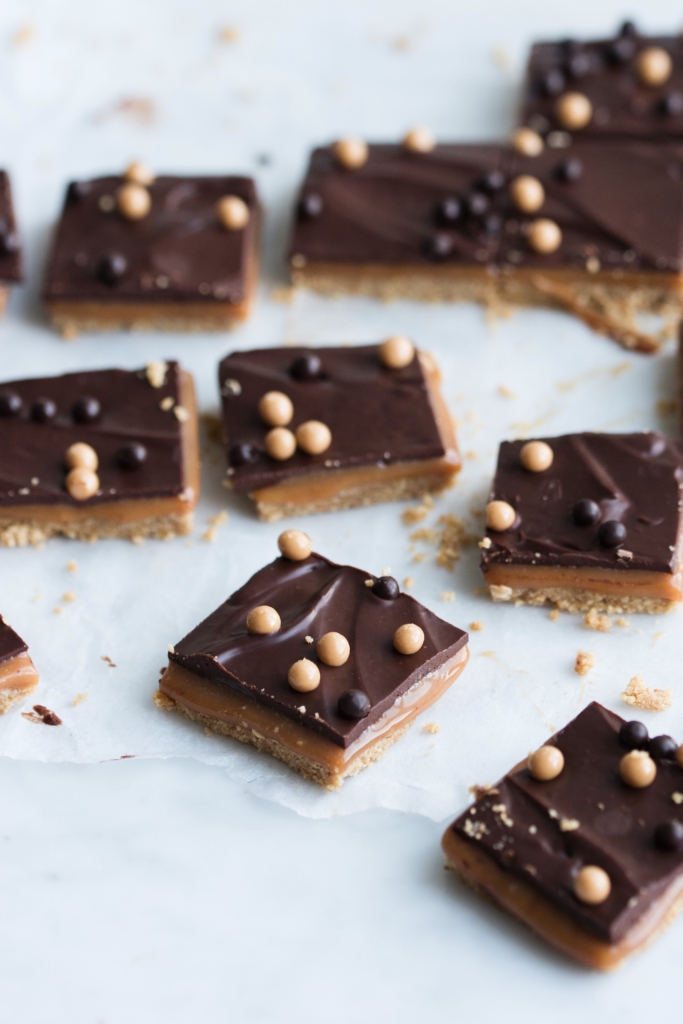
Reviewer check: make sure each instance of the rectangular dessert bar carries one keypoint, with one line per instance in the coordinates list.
(18, 676)
(594, 229)
(176, 253)
(322, 666)
(587, 521)
(10, 246)
(356, 425)
(583, 842)
(103, 453)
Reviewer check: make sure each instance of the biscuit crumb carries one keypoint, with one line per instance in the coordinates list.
(476, 626)
(432, 727)
(58, 610)
(79, 698)
(386, 571)
(171, 649)
(207, 731)
(408, 583)
(475, 829)
(447, 595)
(156, 373)
(69, 596)
(166, 403)
(309, 639)
(485, 543)
(211, 532)
(369, 583)
(72, 566)
(416, 513)
(595, 620)
(584, 663)
(638, 695)
(228, 34)
(181, 413)
(569, 824)
(505, 392)
(677, 798)
(554, 614)
(137, 539)
(622, 623)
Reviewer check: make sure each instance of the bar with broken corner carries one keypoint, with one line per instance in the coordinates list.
(586, 521)
(154, 253)
(583, 842)
(322, 666)
(595, 230)
(11, 271)
(103, 453)
(317, 430)
(629, 86)
(18, 675)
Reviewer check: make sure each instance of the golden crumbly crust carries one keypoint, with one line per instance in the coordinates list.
(569, 600)
(17, 534)
(9, 697)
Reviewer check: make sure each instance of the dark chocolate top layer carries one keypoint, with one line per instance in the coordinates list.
(625, 207)
(11, 645)
(32, 470)
(605, 72)
(376, 415)
(10, 247)
(179, 252)
(314, 597)
(545, 832)
(635, 479)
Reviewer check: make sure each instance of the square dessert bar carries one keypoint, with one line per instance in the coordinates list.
(10, 246)
(587, 521)
(18, 676)
(322, 666)
(596, 230)
(584, 841)
(630, 86)
(104, 453)
(166, 253)
(315, 430)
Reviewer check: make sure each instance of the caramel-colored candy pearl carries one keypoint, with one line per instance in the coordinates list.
(232, 212)
(419, 140)
(275, 409)
(295, 545)
(545, 236)
(409, 638)
(81, 455)
(280, 443)
(351, 153)
(313, 437)
(545, 764)
(500, 516)
(654, 66)
(139, 174)
(133, 201)
(527, 142)
(592, 885)
(536, 456)
(333, 649)
(397, 352)
(637, 769)
(263, 620)
(527, 193)
(304, 676)
(573, 110)
(82, 483)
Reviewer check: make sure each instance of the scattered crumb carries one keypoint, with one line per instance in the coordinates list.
(569, 824)
(656, 637)
(505, 392)
(409, 583)
(228, 34)
(69, 596)
(166, 403)
(207, 731)
(369, 583)
(215, 521)
(594, 620)
(452, 537)
(638, 695)
(677, 798)
(666, 407)
(584, 663)
(105, 657)
(622, 623)
(23, 35)
(58, 610)
(79, 698)
(302, 709)
(501, 58)
(471, 454)
(282, 293)
(416, 513)
(485, 543)
(156, 373)
(447, 595)
(480, 791)
(213, 426)
(137, 539)
(171, 649)
(402, 43)
(36, 596)
(554, 614)
(487, 654)
(72, 566)
(181, 413)
(476, 626)
(309, 639)
(42, 714)
(432, 727)
(138, 108)
(386, 571)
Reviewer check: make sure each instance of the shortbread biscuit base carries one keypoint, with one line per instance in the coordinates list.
(18, 678)
(18, 534)
(73, 318)
(569, 600)
(10, 697)
(517, 897)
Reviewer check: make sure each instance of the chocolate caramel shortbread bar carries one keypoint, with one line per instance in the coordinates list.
(10, 245)
(18, 675)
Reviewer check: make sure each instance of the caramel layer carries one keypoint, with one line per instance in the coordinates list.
(631, 582)
(519, 898)
(227, 705)
(18, 673)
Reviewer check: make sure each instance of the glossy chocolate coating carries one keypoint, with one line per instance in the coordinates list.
(314, 597)
(10, 249)
(615, 831)
(375, 414)
(129, 413)
(11, 645)
(635, 479)
(625, 208)
(179, 252)
(622, 105)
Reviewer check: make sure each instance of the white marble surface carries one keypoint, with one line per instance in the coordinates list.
(145, 891)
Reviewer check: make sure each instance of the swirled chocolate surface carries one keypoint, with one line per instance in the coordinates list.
(314, 597)
(545, 832)
(635, 479)
(32, 469)
(179, 252)
(376, 415)
(10, 249)
(11, 645)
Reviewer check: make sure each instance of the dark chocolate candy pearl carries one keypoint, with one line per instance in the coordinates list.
(10, 403)
(112, 267)
(493, 181)
(492, 223)
(570, 170)
(628, 28)
(662, 747)
(242, 454)
(386, 587)
(586, 512)
(553, 82)
(86, 409)
(622, 50)
(477, 204)
(78, 190)
(310, 206)
(43, 409)
(612, 533)
(672, 104)
(9, 242)
(306, 367)
(131, 456)
(439, 246)
(634, 736)
(448, 211)
(578, 65)
(669, 835)
(353, 704)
